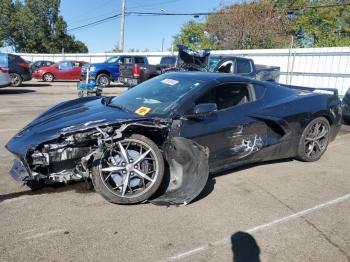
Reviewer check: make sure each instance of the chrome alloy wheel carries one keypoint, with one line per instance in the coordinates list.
(48, 77)
(129, 169)
(103, 81)
(15, 79)
(316, 139)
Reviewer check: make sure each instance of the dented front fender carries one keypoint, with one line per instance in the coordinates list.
(188, 172)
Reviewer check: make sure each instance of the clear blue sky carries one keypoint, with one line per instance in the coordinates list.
(140, 32)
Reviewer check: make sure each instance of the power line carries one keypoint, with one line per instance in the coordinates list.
(185, 14)
(96, 22)
(170, 14)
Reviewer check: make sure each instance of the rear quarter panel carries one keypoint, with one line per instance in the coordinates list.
(298, 108)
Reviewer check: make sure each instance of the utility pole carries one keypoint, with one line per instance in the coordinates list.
(122, 24)
(163, 39)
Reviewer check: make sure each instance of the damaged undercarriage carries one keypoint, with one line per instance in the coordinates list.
(124, 162)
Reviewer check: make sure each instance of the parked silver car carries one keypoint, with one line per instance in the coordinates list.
(5, 79)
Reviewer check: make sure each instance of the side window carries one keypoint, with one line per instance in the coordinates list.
(139, 60)
(168, 60)
(65, 66)
(76, 64)
(226, 67)
(259, 91)
(227, 95)
(125, 60)
(243, 66)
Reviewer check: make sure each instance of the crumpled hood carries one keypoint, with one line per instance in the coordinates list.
(78, 113)
(67, 117)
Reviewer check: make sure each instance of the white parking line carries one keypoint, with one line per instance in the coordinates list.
(39, 235)
(227, 240)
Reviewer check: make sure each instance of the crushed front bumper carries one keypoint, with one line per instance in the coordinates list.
(18, 171)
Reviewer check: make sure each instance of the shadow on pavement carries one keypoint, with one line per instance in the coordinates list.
(35, 84)
(209, 187)
(78, 187)
(15, 91)
(244, 248)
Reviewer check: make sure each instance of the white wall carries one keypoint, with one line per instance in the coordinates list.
(314, 67)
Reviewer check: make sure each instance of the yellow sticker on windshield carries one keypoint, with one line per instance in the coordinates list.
(142, 111)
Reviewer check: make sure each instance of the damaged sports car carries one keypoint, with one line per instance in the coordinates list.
(159, 141)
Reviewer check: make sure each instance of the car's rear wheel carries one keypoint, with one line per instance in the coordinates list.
(103, 80)
(129, 172)
(314, 140)
(48, 77)
(16, 79)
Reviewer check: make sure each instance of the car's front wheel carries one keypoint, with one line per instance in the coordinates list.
(314, 140)
(103, 80)
(129, 172)
(16, 79)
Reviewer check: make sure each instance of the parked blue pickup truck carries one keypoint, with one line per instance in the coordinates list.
(104, 73)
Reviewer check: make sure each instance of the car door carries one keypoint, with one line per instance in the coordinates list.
(231, 134)
(64, 71)
(75, 75)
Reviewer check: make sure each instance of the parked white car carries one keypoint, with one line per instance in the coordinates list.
(5, 79)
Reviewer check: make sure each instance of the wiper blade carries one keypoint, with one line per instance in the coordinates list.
(118, 107)
(106, 100)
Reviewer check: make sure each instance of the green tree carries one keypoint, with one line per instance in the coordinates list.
(318, 23)
(322, 27)
(194, 35)
(36, 26)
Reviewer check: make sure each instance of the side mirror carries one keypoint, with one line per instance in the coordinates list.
(203, 110)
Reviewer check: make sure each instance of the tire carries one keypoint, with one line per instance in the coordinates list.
(48, 77)
(346, 121)
(314, 140)
(35, 184)
(111, 190)
(103, 80)
(16, 79)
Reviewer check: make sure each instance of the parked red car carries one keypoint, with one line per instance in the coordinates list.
(64, 70)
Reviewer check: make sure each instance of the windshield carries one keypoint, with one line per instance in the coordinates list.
(112, 60)
(158, 96)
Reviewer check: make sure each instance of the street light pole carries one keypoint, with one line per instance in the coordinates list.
(122, 24)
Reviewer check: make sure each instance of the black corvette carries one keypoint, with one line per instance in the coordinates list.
(160, 140)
